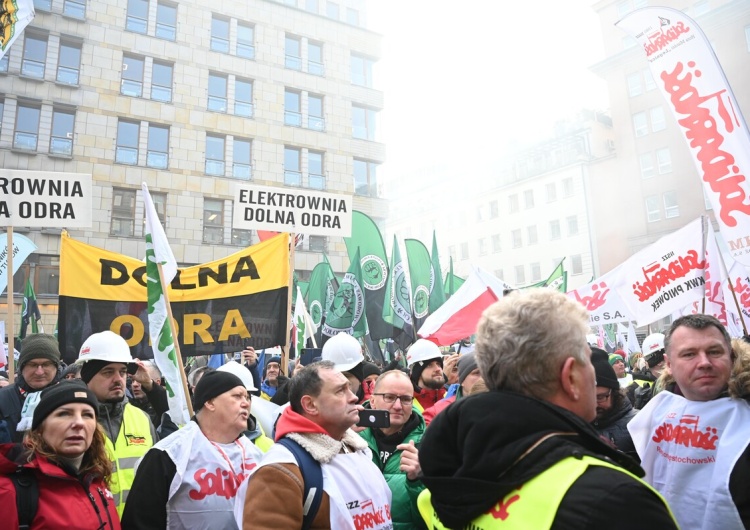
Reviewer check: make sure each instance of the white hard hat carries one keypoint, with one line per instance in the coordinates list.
(235, 368)
(105, 346)
(344, 351)
(653, 349)
(422, 350)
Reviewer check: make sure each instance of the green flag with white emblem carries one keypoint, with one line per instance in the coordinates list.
(347, 315)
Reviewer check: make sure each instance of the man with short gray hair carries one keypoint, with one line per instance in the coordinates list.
(525, 451)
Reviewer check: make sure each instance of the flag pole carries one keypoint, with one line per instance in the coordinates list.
(285, 349)
(11, 323)
(705, 236)
(170, 322)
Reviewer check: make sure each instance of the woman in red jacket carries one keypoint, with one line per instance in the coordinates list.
(64, 459)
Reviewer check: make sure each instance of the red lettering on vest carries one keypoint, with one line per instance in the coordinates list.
(718, 166)
(377, 516)
(500, 510)
(220, 482)
(686, 433)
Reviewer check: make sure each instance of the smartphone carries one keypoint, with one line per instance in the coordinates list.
(374, 418)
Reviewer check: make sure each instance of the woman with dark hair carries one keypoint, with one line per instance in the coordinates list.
(57, 477)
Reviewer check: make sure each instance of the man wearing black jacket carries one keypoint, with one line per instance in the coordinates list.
(524, 453)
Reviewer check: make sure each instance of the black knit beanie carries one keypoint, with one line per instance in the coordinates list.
(69, 391)
(214, 384)
(605, 374)
(369, 369)
(39, 346)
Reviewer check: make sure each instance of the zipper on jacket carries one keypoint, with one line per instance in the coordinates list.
(106, 506)
(96, 509)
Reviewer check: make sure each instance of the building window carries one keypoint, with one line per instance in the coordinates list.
(362, 68)
(568, 187)
(520, 275)
(69, 63)
(315, 58)
(532, 235)
(34, 56)
(528, 199)
(61, 139)
(219, 34)
(27, 127)
(536, 272)
(245, 40)
(311, 6)
(496, 246)
(215, 155)
(315, 120)
(4, 62)
(464, 250)
(318, 244)
(352, 16)
(292, 55)
(658, 123)
(75, 9)
(127, 143)
(217, 92)
(648, 79)
(671, 208)
(646, 161)
(551, 192)
(516, 237)
(292, 108)
(213, 221)
(315, 175)
(494, 210)
(363, 123)
(482, 246)
(554, 230)
(243, 98)
(160, 204)
(157, 154)
(161, 81)
(653, 209)
(332, 10)
(166, 21)
(640, 124)
(242, 238)
(123, 213)
(635, 85)
(132, 76)
(513, 203)
(241, 160)
(500, 274)
(572, 225)
(365, 178)
(292, 171)
(43, 5)
(576, 264)
(664, 160)
(137, 17)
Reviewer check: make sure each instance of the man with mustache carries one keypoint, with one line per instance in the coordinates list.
(191, 478)
(106, 363)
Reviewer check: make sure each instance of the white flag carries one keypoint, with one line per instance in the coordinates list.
(162, 341)
(304, 326)
(16, 16)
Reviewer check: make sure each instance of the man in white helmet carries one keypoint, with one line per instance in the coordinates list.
(345, 352)
(425, 362)
(106, 363)
(641, 390)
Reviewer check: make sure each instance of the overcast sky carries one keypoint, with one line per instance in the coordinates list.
(465, 78)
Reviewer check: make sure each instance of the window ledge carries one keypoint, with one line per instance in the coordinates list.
(67, 85)
(31, 78)
(71, 17)
(23, 151)
(60, 155)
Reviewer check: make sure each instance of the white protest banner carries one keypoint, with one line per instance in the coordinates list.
(603, 304)
(45, 199)
(665, 276)
(740, 284)
(22, 248)
(292, 210)
(692, 81)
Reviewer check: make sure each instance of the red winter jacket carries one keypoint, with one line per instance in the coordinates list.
(428, 397)
(64, 500)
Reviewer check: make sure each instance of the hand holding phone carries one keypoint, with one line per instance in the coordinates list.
(374, 418)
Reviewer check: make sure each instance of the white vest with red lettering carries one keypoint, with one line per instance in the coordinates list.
(688, 450)
(202, 493)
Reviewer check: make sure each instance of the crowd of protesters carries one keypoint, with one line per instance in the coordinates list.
(532, 427)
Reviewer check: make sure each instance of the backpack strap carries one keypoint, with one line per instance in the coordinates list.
(312, 475)
(27, 496)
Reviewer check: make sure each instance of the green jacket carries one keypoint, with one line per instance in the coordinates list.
(404, 511)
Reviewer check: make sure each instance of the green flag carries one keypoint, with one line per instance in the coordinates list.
(29, 312)
(452, 282)
(422, 280)
(367, 238)
(437, 291)
(320, 294)
(558, 280)
(347, 315)
(397, 309)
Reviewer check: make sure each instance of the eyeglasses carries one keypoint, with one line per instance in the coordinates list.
(391, 398)
(603, 397)
(46, 366)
